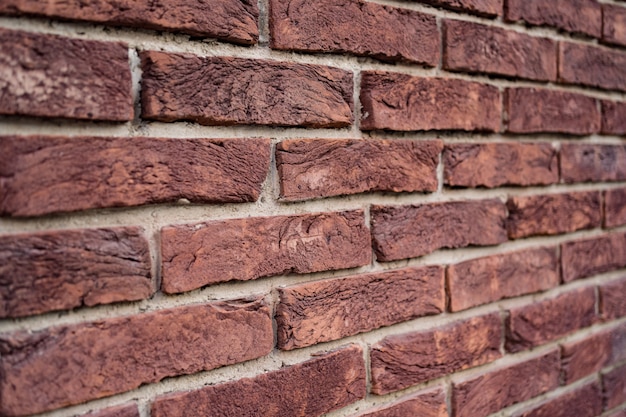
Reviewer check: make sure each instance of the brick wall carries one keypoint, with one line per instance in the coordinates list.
(320, 207)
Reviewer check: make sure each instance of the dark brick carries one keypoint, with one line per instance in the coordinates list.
(614, 24)
(126, 410)
(578, 16)
(583, 163)
(592, 66)
(430, 403)
(614, 384)
(585, 401)
(614, 207)
(613, 299)
(487, 8)
(614, 117)
(587, 257)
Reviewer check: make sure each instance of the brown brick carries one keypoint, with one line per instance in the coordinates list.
(495, 164)
(614, 24)
(584, 357)
(355, 27)
(61, 270)
(427, 403)
(250, 248)
(403, 360)
(230, 91)
(401, 102)
(492, 278)
(53, 76)
(614, 117)
(229, 20)
(472, 47)
(553, 214)
(401, 232)
(614, 207)
(582, 163)
(535, 324)
(492, 391)
(585, 401)
(592, 66)
(614, 383)
(488, 8)
(531, 110)
(333, 309)
(54, 174)
(309, 389)
(587, 257)
(311, 168)
(72, 364)
(126, 410)
(613, 299)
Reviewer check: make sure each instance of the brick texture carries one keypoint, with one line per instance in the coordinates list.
(583, 163)
(585, 401)
(587, 257)
(614, 383)
(614, 24)
(613, 117)
(614, 207)
(427, 403)
(592, 66)
(487, 8)
(612, 300)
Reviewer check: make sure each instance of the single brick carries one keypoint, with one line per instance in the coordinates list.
(614, 117)
(333, 309)
(403, 360)
(401, 102)
(228, 91)
(492, 391)
(229, 20)
(255, 247)
(53, 76)
(401, 232)
(614, 207)
(427, 403)
(68, 365)
(487, 8)
(583, 163)
(495, 164)
(531, 110)
(614, 24)
(585, 401)
(587, 257)
(312, 168)
(613, 299)
(553, 214)
(126, 410)
(614, 384)
(355, 27)
(309, 389)
(592, 66)
(492, 278)
(42, 175)
(472, 47)
(535, 324)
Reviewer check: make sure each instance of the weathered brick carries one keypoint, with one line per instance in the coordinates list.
(427, 403)
(586, 257)
(613, 299)
(488, 8)
(309, 389)
(311, 168)
(400, 361)
(401, 232)
(230, 20)
(329, 310)
(53, 76)
(492, 391)
(592, 66)
(614, 207)
(614, 24)
(42, 175)
(614, 383)
(229, 91)
(535, 324)
(583, 162)
(126, 410)
(531, 110)
(585, 401)
(71, 364)
(495, 164)
(401, 102)
(614, 117)
(553, 214)
(472, 47)
(355, 27)
(492, 278)
(250, 248)
(584, 357)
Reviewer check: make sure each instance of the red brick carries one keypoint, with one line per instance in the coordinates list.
(355, 27)
(614, 383)
(613, 299)
(126, 410)
(472, 47)
(614, 117)
(427, 403)
(403, 360)
(401, 232)
(587, 257)
(232, 91)
(585, 401)
(487, 8)
(592, 66)
(583, 163)
(229, 20)
(251, 248)
(71, 364)
(614, 207)
(492, 391)
(401, 102)
(495, 164)
(535, 324)
(584, 357)
(333, 309)
(614, 24)
(492, 278)
(531, 110)
(553, 214)
(309, 389)
(53, 76)
(57, 174)
(312, 168)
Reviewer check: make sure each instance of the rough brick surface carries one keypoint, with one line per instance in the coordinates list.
(587, 257)
(401, 232)
(472, 47)
(227, 91)
(612, 299)
(309, 389)
(127, 410)
(311, 168)
(615, 207)
(585, 401)
(401, 102)
(403, 360)
(583, 163)
(531, 110)
(614, 383)
(354, 27)
(492, 165)
(329, 310)
(592, 66)
(614, 117)
(245, 249)
(40, 175)
(68, 365)
(488, 8)
(614, 24)
(53, 76)
(492, 278)
(431, 403)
